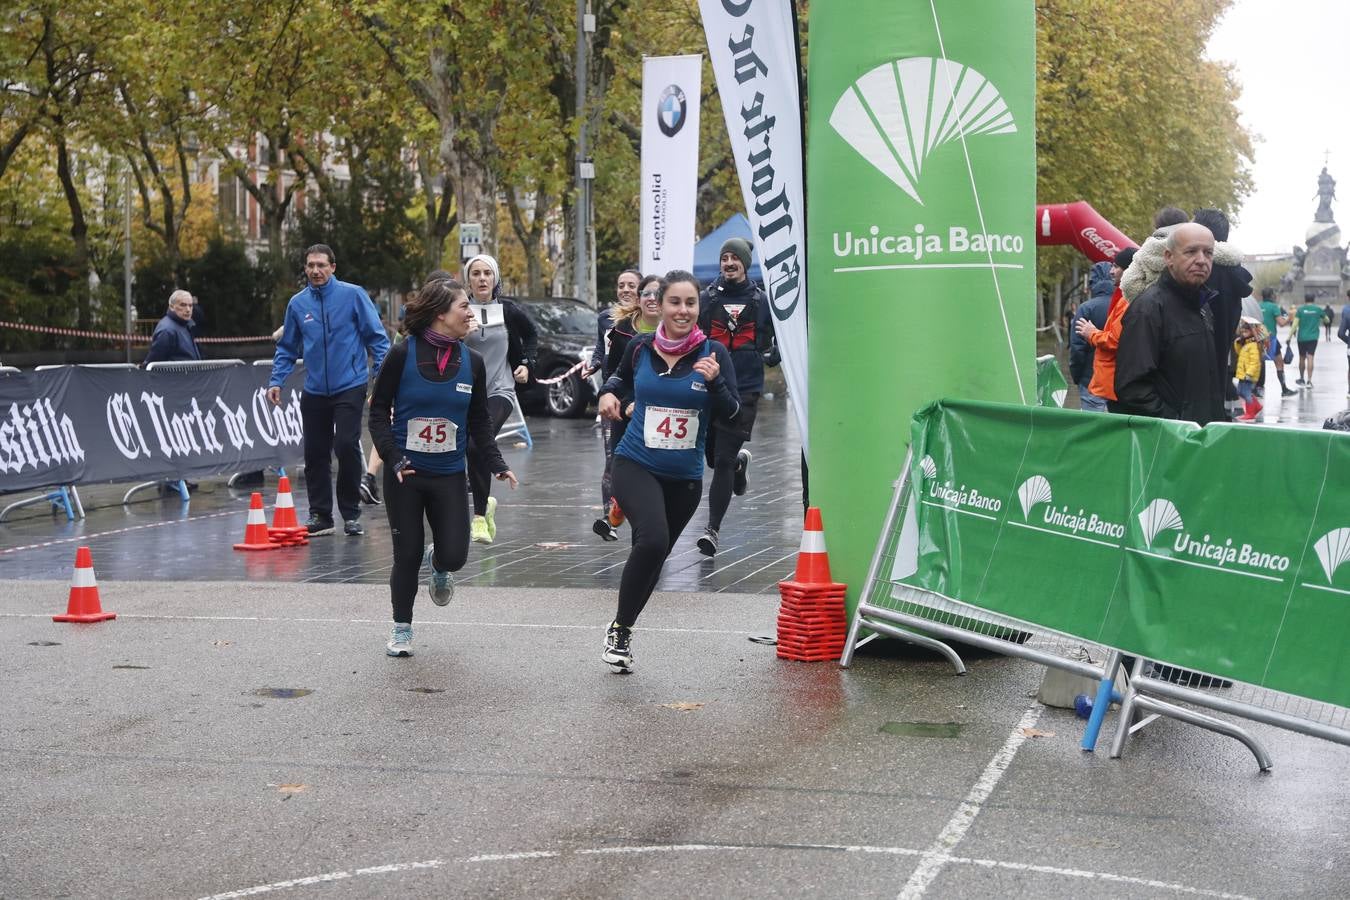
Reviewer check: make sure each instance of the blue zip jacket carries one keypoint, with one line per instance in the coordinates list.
(331, 328)
(172, 341)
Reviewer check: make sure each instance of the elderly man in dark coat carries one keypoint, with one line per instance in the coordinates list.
(1165, 364)
(172, 339)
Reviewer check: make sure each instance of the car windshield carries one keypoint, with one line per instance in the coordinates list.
(561, 318)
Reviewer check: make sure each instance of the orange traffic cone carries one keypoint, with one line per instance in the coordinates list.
(255, 532)
(812, 624)
(813, 563)
(286, 528)
(84, 605)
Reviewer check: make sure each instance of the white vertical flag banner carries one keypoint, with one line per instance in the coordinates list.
(670, 99)
(753, 47)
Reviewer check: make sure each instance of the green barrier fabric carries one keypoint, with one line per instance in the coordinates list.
(1051, 387)
(921, 241)
(1222, 549)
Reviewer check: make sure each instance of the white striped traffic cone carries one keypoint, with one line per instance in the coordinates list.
(84, 605)
(255, 532)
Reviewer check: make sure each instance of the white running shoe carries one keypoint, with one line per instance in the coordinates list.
(400, 643)
(618, 648)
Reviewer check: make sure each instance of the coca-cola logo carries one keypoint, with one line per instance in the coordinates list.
(1107, 247)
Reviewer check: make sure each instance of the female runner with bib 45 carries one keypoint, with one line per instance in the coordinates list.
(679, 379)
(436, 389)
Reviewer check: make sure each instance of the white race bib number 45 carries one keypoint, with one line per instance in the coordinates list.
(668, 428)
(431, 435)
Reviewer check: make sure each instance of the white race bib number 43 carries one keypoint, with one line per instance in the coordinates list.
(668, 428)
(431, 435)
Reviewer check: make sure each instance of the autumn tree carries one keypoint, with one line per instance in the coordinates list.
(1131, 116)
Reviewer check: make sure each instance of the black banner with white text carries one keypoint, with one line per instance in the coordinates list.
(82, 425)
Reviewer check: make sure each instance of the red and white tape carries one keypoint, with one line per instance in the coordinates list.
(134, 338)
(559, 378)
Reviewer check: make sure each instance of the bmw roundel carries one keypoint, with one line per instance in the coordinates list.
(671, 110)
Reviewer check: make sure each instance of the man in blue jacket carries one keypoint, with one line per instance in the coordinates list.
(172, 339)
(332, 325)
(1102, 280)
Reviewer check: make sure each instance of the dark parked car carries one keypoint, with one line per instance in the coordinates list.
(566, 336)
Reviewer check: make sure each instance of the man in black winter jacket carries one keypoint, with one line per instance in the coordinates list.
(172, 339)
(736, 313)
(1165, 362)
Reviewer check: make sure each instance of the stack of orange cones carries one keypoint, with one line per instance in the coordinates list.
(84, 605)
(286, 530)
(255, 532)
(812, 624)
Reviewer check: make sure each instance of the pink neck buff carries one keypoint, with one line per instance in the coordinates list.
(445, 347)
(680, 347)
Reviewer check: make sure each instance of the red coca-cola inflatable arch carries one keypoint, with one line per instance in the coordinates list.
(1082, 226)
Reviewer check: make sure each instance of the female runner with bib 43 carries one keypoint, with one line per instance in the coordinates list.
(679, 379)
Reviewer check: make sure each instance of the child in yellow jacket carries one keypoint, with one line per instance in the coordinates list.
(1247, 351)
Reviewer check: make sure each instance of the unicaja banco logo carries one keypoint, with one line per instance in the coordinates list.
(1035, 489)
(928, 467)
(900, 112)
(1159, 515)
(1333, 548)
(671, 110)
(1210, 550)
(1080, 523)
(1059, 397)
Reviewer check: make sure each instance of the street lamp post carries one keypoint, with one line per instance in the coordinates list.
(585, 170)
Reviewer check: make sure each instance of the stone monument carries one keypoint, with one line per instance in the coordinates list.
(1322, 268)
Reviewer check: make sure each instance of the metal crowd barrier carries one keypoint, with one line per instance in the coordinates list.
(192, 365)
(515, 426)
(64, 496)
(1156, 690)
(182, 365)
(887, 607)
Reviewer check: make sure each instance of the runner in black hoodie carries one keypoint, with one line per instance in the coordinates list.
(736, 314)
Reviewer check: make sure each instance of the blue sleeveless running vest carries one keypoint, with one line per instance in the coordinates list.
(670, 420)
(438, 413)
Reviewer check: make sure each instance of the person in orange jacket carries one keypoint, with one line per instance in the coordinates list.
(1104, 340)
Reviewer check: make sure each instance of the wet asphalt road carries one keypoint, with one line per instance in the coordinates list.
(238, 731)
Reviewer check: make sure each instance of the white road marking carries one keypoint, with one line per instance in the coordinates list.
(86, 538)
(327, 876)
(1150, 883)
(939, 854)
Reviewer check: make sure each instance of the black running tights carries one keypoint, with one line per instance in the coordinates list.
(657, 510)
(612, 433)
(723, 447)
(480, 476)
(442, 500)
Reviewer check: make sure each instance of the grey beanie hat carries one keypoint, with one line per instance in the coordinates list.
(738, 246)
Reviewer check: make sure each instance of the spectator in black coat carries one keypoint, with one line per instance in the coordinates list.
(1165, 361)
(172, 339)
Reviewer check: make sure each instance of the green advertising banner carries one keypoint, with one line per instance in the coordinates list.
(921, 178)
(1222, 549)
(1051, 387)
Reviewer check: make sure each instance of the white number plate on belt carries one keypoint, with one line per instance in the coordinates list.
(668, 428)
(431, 435)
